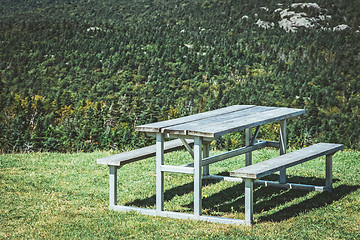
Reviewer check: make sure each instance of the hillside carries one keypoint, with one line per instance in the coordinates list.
(79, 75)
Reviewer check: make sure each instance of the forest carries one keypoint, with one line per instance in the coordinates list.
(78, 75)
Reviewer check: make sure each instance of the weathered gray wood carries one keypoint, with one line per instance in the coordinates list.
(203, 126)
(214, 120)
(197, 176)
(285, 161)
(159, 173)
(241, 123)
(176, 136)
(215, 129)
(142, 153)
(157, 126)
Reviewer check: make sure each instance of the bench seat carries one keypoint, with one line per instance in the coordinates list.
(270, 166)
(251, 173)
(118, 160)
(123, 158)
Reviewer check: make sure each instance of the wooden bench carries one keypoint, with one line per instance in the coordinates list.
(253, 172)
(118, 160)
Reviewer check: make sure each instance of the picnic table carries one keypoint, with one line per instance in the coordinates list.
(199, 130)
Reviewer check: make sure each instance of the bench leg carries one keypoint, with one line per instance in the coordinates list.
(197, 176)
(248, 156)
(249, 183)
(328, 183)
(159, 173)
(112, 186)
(206, 170)
(283, 143)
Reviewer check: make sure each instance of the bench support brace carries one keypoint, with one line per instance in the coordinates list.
(249, 189)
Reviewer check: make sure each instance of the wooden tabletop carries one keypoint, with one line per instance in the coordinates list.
(218, 122)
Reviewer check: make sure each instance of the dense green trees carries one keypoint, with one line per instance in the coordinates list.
(79, 75)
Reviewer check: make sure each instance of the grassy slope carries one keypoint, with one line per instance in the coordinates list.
(53, 195)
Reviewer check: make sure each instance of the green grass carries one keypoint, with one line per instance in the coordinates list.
(53, 195)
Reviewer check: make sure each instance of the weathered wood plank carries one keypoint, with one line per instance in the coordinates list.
(157, 126)
(141, 153)
(214, 121)
(216, 130)
(287, 160)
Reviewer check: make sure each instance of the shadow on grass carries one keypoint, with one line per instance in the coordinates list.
(318, 201)
(233, 198)
(169, 194)
(265, 198)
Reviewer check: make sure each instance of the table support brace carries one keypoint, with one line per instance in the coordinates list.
(206, 149)
(283, 143)
(248, 155)
(188, 148)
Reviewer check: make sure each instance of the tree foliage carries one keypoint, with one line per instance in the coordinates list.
(79, 75)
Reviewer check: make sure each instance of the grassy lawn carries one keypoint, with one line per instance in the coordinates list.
(54, 195)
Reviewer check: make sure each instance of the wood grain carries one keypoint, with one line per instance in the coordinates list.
(287, 160)
(141, 153)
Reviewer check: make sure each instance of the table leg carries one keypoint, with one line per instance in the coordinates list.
(283, 143)
(159, 173)
(248, 156)
(112, 186)
(197, 176)
(206, 147)
(328, 183)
